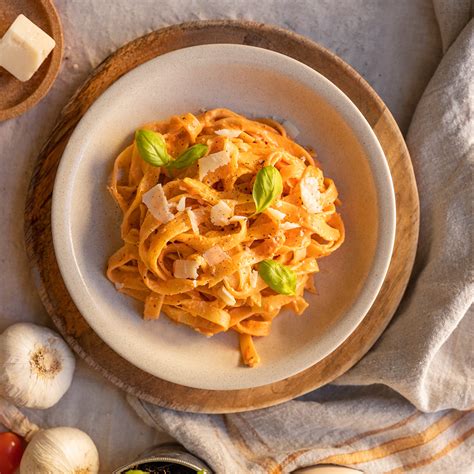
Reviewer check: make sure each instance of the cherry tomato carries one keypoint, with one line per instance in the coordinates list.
(11, 451)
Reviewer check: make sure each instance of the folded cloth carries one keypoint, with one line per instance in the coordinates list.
(425, 355)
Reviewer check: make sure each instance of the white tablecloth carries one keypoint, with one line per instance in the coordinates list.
(394, 44)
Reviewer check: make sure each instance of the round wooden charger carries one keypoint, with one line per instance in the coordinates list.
(17, 97)
(73, 326)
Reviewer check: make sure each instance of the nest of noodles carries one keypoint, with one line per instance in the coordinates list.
(229, 294)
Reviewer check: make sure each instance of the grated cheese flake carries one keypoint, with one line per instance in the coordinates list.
(181, 204)
(229, 133)
(185, 269)
(253, 278)
(299, 254)
(278, 215)
(119, 286)
(310, 194)
(194, 221)
(291, 128)
(212, 162)
(226, 296)
(221, 214)
(156, 202)
(237, 219)
(289, 226)
(215, 255)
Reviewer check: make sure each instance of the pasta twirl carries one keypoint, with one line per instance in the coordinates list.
(193, 239)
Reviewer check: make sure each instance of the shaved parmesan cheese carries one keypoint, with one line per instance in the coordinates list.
(119, 286)
(237, 219)
(299, 254)
(289, 226)
(253, 278)
(276, 214)
(310, 194)
(181, 204)
(226, 296)
(225, 132)
(157, 204)
(291, 128)
(185, 269)
(221, 213)
(194, 221)
(215, 255)
(212, 162)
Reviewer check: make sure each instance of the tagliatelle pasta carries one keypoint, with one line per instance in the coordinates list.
(197, 247)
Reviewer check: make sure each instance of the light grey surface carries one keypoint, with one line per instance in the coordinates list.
(394, 44)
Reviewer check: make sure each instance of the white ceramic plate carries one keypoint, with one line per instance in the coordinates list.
(255, 82)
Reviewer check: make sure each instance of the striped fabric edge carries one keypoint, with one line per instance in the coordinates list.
(426, 451)
(360, 437)
(453, 444)
(391, 447)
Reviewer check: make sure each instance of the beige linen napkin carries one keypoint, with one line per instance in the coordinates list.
(425, 356)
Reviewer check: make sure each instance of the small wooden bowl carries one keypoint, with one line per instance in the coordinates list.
(17, 97)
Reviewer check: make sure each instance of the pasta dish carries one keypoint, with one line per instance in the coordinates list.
(224, 220)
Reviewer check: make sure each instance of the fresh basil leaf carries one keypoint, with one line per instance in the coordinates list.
(189, 156)
(268, 185)
(152, 147)
(278, 277)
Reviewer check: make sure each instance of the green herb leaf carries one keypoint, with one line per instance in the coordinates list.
(189, 156)
(278, 277)
(152, 147)
(135, 471)
(268, 185)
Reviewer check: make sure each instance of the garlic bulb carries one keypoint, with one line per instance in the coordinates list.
(60, 451)
(36, 366)
(50, 451)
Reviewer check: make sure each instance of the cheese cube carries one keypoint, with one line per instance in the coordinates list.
(185, 269)
(221, 213)
(24, 47)
(215, 255)
(310, 194)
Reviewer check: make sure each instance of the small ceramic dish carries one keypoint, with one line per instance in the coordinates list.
(17, 97)
(257, 83)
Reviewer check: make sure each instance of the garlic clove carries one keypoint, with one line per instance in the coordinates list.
(61, 450)
(36, 366)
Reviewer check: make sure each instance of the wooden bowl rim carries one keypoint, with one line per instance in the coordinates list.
(165, 393)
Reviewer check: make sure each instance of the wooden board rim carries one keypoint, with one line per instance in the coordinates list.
(53, 68)
(73, 326)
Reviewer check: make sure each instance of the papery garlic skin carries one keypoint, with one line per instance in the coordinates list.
(60, 450)
(36, 366)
